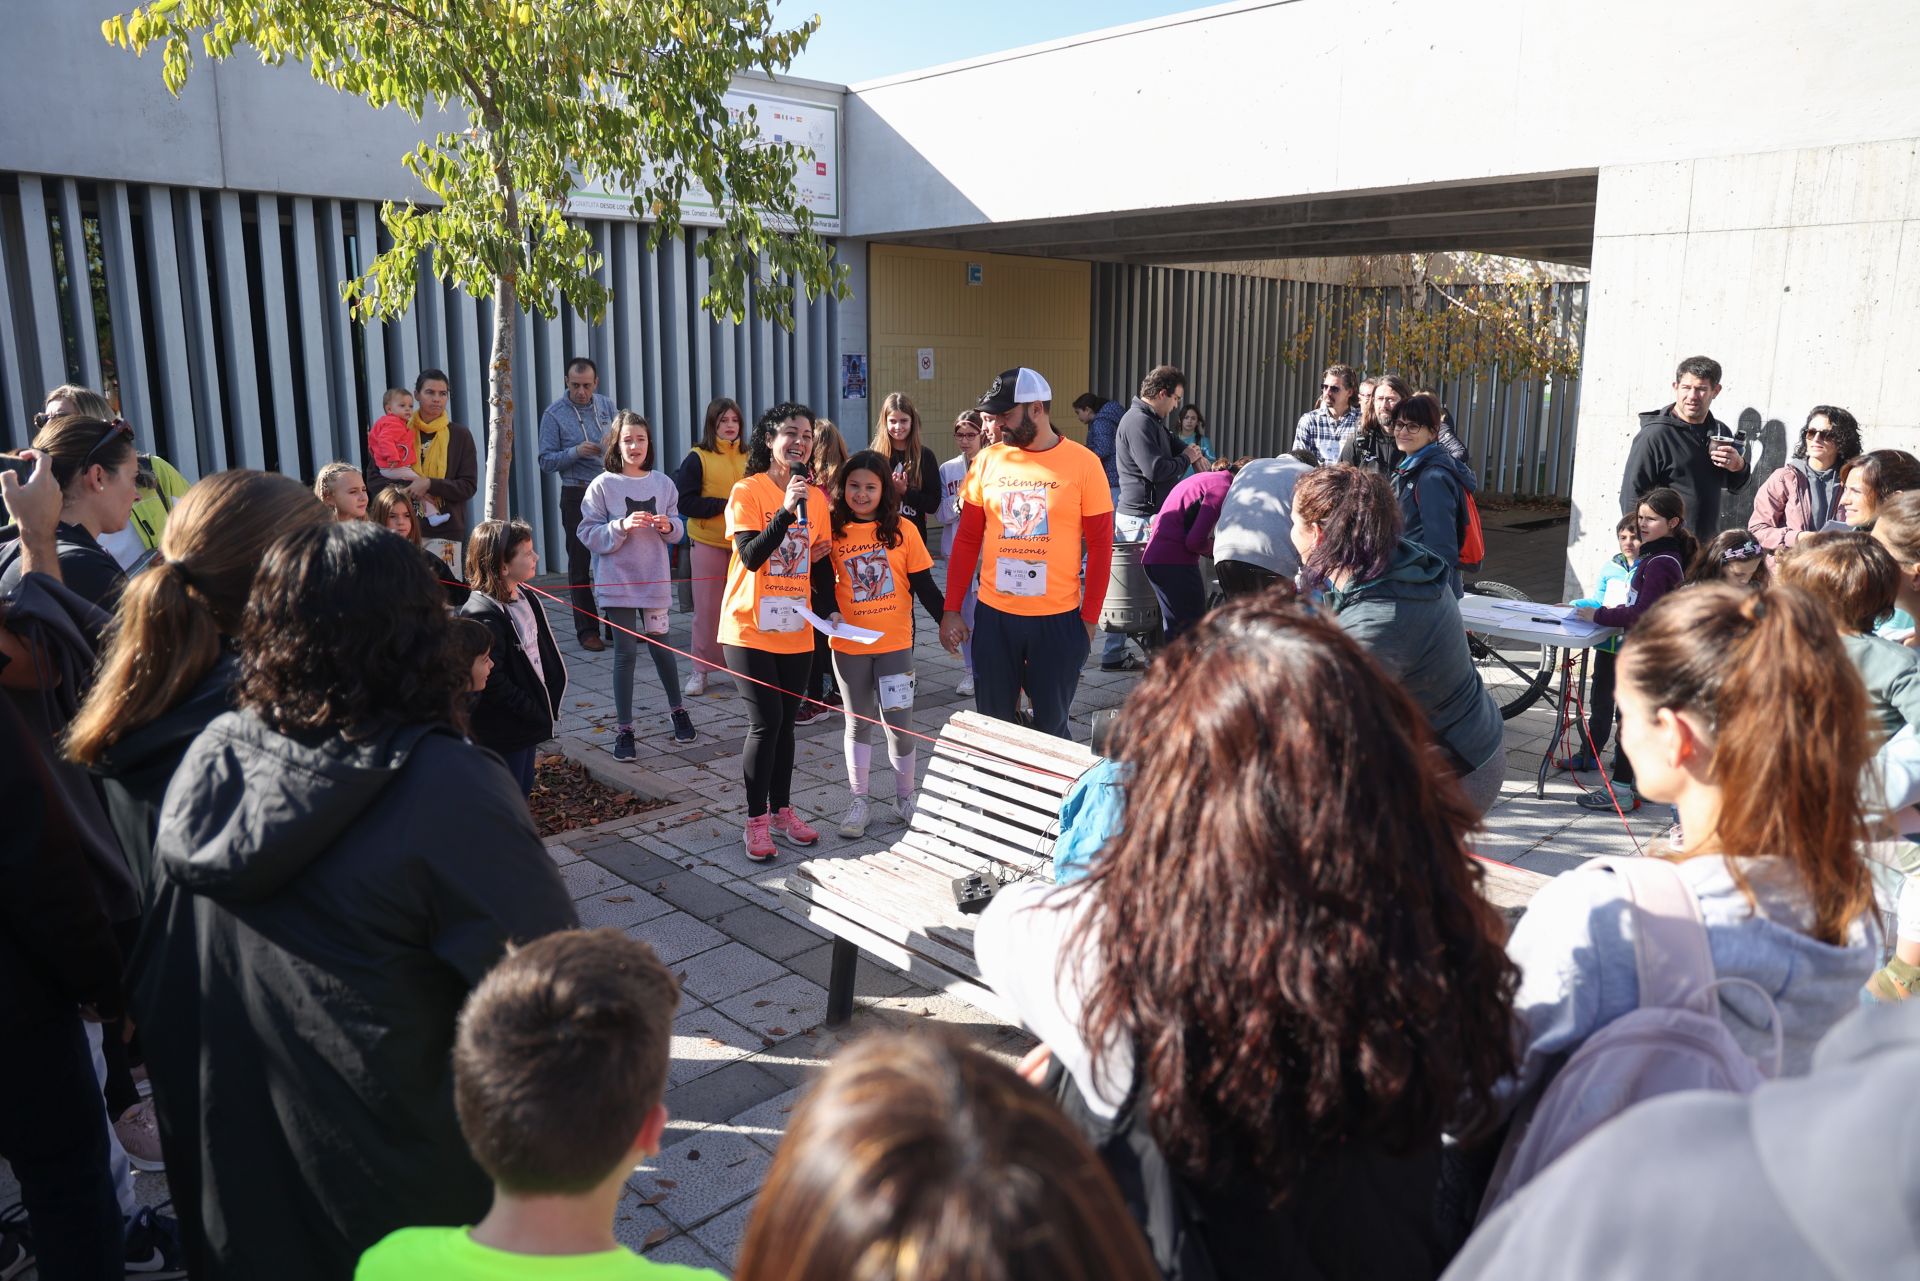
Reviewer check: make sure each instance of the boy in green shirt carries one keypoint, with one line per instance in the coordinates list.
(559, 1066)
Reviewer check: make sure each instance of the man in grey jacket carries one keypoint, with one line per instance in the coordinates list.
(1810, 1178)
(573, 434)
(1150, 463)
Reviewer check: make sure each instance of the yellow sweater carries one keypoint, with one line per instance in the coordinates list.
(719, 473)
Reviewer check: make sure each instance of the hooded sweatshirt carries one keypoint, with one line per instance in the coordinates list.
(1574, 948)
(1409, 620)
(1672, 452)
(1808, 1179)
(321, 911)
(1795, 500)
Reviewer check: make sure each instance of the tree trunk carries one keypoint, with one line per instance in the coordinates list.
(506, 304)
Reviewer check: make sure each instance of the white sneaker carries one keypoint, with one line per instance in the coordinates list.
(965, 688)
(697, 683)
(855, 823)
(904, 807)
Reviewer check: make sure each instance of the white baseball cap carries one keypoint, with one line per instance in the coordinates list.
(1020, 386)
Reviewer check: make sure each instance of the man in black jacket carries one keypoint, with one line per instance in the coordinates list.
(1150, 462)
(1685, 448)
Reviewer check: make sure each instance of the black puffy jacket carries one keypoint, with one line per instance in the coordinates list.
(517, 708)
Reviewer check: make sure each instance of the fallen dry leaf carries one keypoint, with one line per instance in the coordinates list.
(666, 1183)
(655, 1237)
(777, 1031)
(655, 1199)
(619, 898)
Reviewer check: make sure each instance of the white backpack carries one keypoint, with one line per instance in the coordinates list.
(1673, 1041)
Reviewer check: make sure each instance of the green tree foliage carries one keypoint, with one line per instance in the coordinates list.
(623, 94)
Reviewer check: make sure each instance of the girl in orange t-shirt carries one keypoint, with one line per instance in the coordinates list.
(779, 526)
(880, 564)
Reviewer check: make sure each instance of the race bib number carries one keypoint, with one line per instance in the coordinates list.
(1020, 577)
(779, 614)
(896, 692)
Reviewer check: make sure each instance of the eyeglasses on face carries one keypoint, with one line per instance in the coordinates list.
(969, 434)
(1333, 386)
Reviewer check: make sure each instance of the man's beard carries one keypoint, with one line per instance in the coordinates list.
(1023, 434)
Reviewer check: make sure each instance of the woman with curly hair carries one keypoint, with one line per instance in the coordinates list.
(320, 912)
(1278, 984)
(1805, 494)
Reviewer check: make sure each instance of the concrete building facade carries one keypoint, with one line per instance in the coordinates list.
(1741, 176)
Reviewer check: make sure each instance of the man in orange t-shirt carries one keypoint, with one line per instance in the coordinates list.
(1030, 506)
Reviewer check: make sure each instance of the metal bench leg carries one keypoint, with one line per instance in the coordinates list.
(846, 958)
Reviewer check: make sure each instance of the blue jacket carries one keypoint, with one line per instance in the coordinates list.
(1101, 435)
(1090, 815)
(1432, 485)
(1618, 570)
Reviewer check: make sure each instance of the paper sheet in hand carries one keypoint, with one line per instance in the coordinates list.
(839, 631)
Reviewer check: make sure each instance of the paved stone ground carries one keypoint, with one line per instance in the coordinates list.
(754, 974)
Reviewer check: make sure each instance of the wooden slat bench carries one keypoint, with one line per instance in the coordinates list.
(990, 801)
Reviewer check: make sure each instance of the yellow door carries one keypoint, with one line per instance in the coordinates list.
(1035, 312)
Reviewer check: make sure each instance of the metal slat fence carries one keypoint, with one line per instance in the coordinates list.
(1253, 350)
(217, 316)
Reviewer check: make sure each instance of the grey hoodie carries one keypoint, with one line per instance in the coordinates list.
(320, 912)
(1810, 1179)
(1409, 620)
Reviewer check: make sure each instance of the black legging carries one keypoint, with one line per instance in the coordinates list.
(767, 757)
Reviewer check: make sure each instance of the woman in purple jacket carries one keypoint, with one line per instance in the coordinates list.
(1182, 533)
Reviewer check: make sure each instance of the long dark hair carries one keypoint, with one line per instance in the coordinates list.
(1669, 505)
(1298, 958)
(710, 427)
(347, 633)
(760, 449)
(919, 1157)
(613, 457)
(1359, 521)
(886, 517)
(1710, 566)
(1749, 663)
(1886, 472)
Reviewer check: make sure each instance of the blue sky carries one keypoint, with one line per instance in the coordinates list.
(866, 39)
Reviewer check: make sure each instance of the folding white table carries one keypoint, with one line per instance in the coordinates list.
(1544, 624)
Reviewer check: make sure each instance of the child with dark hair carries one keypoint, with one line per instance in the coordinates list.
(517, 710)
(584, 1014)
(474, 645)
(1610, 588)
(1734, 556)
(1666, 548)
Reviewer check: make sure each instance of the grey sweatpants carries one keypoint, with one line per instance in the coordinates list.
(859, 676)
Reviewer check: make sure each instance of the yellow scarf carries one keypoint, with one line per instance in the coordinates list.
(433, 446)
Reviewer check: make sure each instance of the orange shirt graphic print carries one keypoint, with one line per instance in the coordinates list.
(1023, 513)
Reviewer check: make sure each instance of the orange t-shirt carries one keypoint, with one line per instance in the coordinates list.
(870, 584)
(1035, 503)
(756, 612)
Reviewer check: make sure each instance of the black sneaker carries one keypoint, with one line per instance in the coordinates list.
(808, 711)
(682, 727)
(16, 1242)
(623, 745)
(153, 1245)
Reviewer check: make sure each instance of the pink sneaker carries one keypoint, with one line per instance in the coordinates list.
(759, 839)
(793, 829)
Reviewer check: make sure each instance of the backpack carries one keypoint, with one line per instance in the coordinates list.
(1473, 542)
(1674, 1041)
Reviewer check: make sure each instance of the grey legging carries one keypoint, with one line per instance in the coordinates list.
(623, 646)
(859, 676)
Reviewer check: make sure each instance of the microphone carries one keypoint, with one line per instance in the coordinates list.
(801, 470)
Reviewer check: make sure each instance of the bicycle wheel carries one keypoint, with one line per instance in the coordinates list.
(1515, 672)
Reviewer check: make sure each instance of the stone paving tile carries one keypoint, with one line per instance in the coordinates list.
(722, 1096)
(700, 835)
(766, 1122)
(676, 936)
(764, 931)
(871, 978)
(727, 971)
(723, 1234)
(620, 907)
(635, 861)
(633, 1222)
(703, 1040)
(683, 1250)
(585, 878)
(696, 894)
(1552, 862)
(758, 895)
(562, 855)
(708, 870)
(708, 1172)
(787, 1006)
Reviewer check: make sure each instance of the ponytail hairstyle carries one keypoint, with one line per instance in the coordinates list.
(1668, 505)
(898, 403)
(886, 517)
(1848, 573)
(1728, 547)
(323, 483)
(1359, 519)
(76, 443)
(1747, 663)
(166, 635)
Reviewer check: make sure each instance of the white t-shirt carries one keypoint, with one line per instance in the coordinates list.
(520, 610)
(953, 473)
